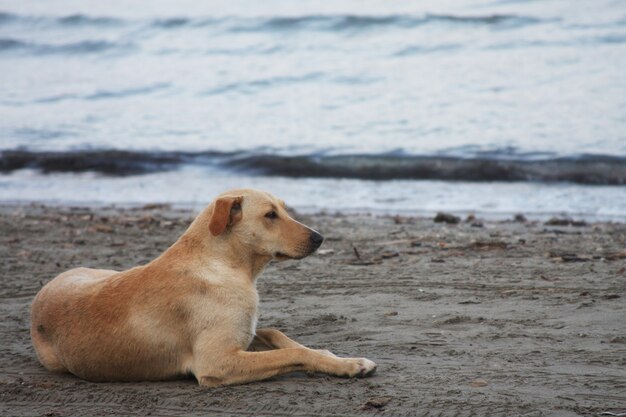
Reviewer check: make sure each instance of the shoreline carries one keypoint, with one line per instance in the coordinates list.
(193, 188)
(193, 209)
(502, 318)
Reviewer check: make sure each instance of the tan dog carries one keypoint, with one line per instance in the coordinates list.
(191, 310)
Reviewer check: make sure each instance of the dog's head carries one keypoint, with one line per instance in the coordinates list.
(260, 222)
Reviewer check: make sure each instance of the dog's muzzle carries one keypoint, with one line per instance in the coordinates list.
(303, 250)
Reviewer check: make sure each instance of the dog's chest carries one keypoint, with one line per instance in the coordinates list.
(253, 324)
(228, 310)
(244, 321)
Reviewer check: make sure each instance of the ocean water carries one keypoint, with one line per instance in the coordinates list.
(493, 107)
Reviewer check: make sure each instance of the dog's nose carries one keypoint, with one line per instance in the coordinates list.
(316, 239)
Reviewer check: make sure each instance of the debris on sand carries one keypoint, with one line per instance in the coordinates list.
(446, 218)
(156, 206)
(359, 260)
(411, 242)
(325, 319)
(520, 218)
(479, 382)
(611, 296)
(473, 221)
(376, 403)
(101, 228)
(567, 257)
(401, 219)
(555, 221)
(614, 256)
(362, 262)
(470, 301)
(488, 245)
(376, 260)
(452, 320)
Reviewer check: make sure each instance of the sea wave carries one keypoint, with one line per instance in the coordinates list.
(84, 20)
(78, 48)
(352, 22)
(581, 169)
(254, 85)
(324, 22)
(73, 20)
(106, 94)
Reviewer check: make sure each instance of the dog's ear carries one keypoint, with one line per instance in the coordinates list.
(226, 212)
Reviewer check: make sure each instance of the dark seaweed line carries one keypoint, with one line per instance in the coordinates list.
(110, 162)
(586, 169)
(599, 170)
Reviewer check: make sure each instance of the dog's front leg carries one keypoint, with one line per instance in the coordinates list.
(240, 366)
(275, 339)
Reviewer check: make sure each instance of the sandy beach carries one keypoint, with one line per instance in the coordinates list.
(512, 318)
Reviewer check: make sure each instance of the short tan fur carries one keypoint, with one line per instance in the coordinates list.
(192, 310)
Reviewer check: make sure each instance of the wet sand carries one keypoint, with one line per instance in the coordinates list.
(476, 318)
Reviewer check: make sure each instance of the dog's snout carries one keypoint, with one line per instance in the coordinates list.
(316, 239)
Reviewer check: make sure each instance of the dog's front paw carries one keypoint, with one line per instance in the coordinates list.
(360, 367)
(366, 368)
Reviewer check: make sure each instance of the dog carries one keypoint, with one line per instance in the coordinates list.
(191, 311)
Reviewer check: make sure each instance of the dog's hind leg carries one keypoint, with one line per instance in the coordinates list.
(275, 339)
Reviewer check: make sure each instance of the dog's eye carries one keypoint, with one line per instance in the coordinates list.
(272, 215)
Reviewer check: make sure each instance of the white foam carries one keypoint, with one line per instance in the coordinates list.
(194, 188)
